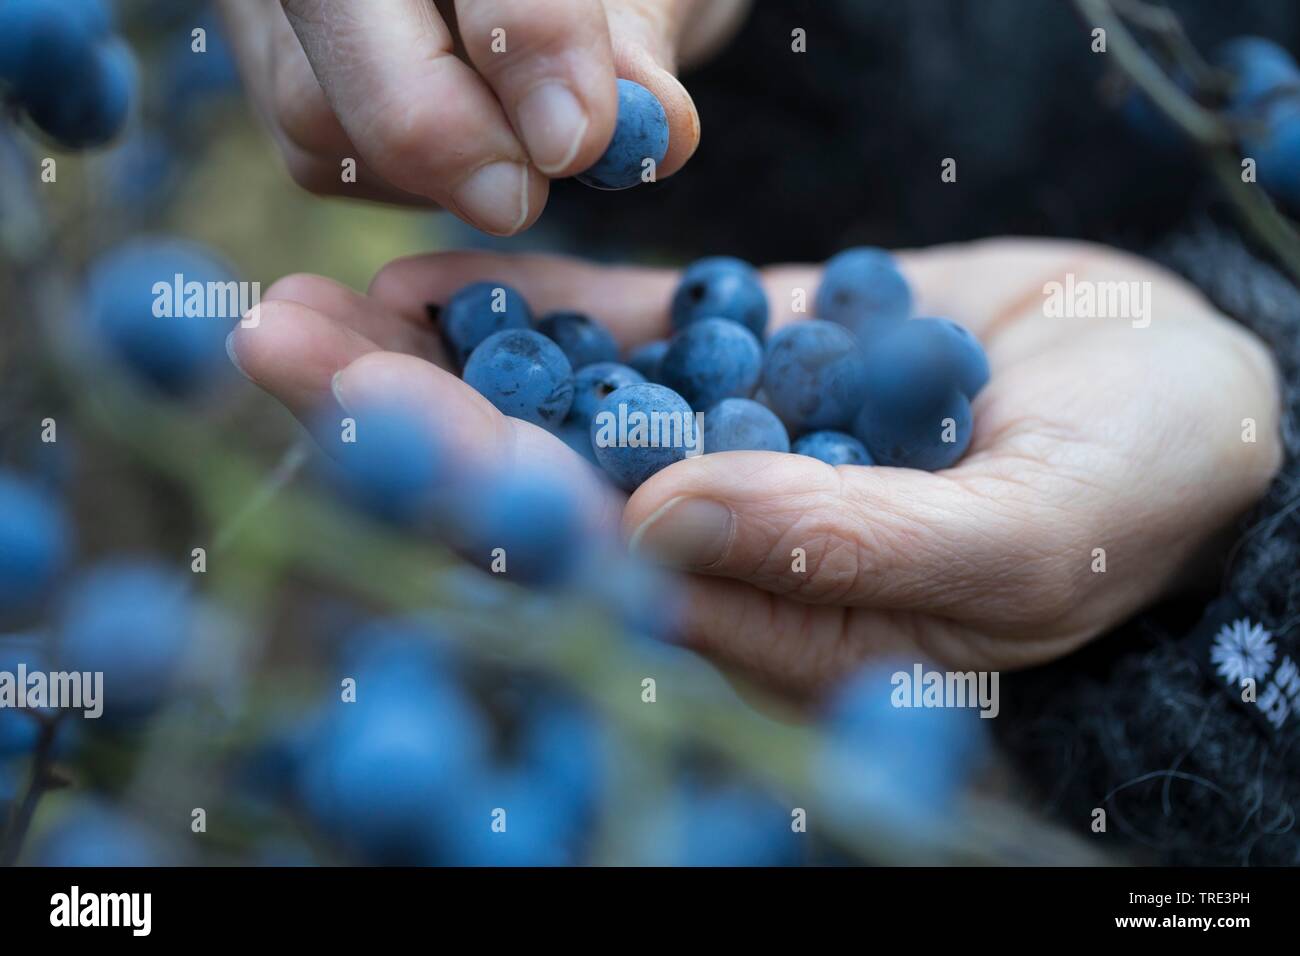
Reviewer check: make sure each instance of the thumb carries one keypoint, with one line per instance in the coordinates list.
(879, 537)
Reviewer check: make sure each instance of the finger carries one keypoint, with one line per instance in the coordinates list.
(880, 537)
(253, 26)
(298, 102)
(632, 302)
(362, 314)
(423, 119)
(293, 351)
(553, 73)
(803, 650)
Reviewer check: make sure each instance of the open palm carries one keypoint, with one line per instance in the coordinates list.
(1106, 455)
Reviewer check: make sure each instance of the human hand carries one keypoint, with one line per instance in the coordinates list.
(415, 93)
(1093, 433)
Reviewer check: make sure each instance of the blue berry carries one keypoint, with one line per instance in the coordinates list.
(1259, 68)
(94, 834)
(721, 287)
(510, 818)
(477, 311)
(834, 448)
(712, 359)
(929, 437)
(582, 341)
(35, 541)
(18, 728)
(386, 461)
(524, 374)
(971, 365)
(882, 758)
(915, 414)
(566, 749)
(640, 133)
(592, 383)
(730, 825)
(1276, 149)
(377, 766)
(178, 347)
(814, 376)
(394, 652)
(194, 79)
(641, 429)
(74, 81)
(534, 522)
(648, 358)
(741, 424)
(863, 290)
(132, 620)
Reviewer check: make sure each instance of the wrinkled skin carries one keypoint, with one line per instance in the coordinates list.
(1091, 434)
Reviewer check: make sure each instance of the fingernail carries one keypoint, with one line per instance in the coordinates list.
(688, 533)
(234, 359)
(552, 122)
(336, 387)
(495, 197)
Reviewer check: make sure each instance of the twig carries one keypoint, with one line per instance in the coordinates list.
(42, 779)
(1203, 126)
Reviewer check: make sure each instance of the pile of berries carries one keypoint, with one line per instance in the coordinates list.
(864, 383)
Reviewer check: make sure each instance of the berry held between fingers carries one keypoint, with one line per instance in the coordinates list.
(640, 135)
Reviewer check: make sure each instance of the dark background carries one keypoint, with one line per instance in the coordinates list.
(804, 154)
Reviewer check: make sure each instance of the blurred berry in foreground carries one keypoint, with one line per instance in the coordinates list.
(386, 461)
(132, 620)
(1259, 68)
(94, 834)
(35, 541)
(19, 728)
(526, 527)
(164, 307)
(60, 63)
(379, 767)
(730, 825)
(902, 766)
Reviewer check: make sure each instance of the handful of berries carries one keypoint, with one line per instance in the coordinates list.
(864, 383)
